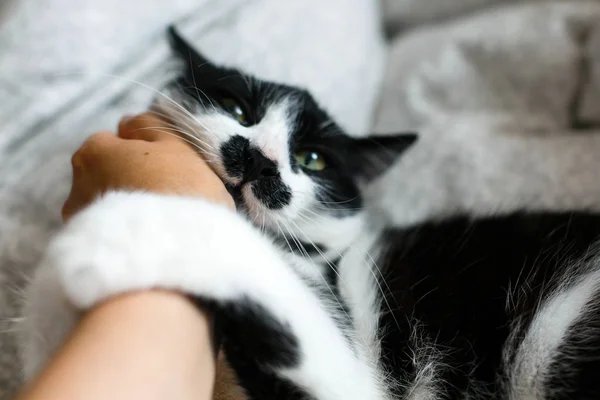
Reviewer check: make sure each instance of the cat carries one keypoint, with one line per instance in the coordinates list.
(313, 299)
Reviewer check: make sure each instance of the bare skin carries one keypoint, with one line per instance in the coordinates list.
(148, 345)
(118, 350)
(141, 157)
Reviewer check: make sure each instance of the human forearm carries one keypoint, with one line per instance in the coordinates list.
(150, 345)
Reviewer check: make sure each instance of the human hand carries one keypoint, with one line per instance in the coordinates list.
(141, 157)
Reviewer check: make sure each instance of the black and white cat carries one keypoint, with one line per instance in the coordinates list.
(312, 298)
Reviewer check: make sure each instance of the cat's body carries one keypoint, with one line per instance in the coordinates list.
(467, 292)
(313, 299)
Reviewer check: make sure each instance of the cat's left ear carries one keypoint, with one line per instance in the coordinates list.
(194, 61)
(373, 155)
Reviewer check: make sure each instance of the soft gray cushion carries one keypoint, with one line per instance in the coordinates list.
(399, 14)
(499, 99)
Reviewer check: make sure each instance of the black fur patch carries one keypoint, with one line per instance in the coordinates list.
(272, 192)
(244, 162)
(452, 280)
(255, 342)
(233, 153)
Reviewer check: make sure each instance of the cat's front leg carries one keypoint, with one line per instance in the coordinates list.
(279, 336)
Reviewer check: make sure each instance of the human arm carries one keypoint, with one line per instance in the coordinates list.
(107, 354)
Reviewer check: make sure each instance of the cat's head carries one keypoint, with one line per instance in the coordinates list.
(289, 166)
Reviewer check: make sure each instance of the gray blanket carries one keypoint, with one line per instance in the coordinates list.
(504, 98)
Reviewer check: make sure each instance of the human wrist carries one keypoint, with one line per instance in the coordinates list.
(151, 344)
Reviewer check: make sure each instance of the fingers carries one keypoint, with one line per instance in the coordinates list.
(148, 127)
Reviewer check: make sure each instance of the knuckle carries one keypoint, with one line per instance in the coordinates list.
(96, 142)
(93, 145)
(99, 138)
(77, 159)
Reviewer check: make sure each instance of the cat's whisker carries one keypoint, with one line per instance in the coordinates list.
(183, 123)
(148, 87)
(332, 193)
(373, 263)
(323, 255)
(198, 91)
(316, 215)
(314, 219)
(248, 81)
(307, 256)
(378, 282)
(329, 263)
(284, 237)
(256, 216)
(178, 107)
(188, 122)
(342, 202)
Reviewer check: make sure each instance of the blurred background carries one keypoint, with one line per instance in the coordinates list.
(504, 94)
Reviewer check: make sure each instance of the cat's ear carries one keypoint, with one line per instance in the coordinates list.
(373, 155)
(187, 53)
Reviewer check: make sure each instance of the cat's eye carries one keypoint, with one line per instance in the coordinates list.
(311, 160)
(235, 110)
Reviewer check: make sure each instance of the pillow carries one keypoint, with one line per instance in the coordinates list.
(506, 104)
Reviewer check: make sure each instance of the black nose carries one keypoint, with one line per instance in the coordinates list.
(257, 166)
(246, 162)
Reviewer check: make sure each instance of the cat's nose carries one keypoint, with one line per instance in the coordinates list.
(257, 166)
(246, 162)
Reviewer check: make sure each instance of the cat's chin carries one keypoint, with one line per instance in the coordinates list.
(248, 203)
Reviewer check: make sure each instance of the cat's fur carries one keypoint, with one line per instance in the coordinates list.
(312, 299)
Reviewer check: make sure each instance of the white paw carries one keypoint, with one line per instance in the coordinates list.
(132, 241)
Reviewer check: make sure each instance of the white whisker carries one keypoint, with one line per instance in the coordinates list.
(299, 244)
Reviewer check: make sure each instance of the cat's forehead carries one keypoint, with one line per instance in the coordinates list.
(301, 110)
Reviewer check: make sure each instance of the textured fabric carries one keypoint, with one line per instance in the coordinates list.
(399, 14)
(506, 103)
(68, 69)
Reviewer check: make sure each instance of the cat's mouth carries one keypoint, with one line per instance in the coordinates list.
(271, 193)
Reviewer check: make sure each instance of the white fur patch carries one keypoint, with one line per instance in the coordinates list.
(545, 335)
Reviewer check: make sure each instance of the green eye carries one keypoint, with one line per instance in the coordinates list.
(235, 110)
(311, 160)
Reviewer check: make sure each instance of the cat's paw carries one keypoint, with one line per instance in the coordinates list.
(132, 241)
